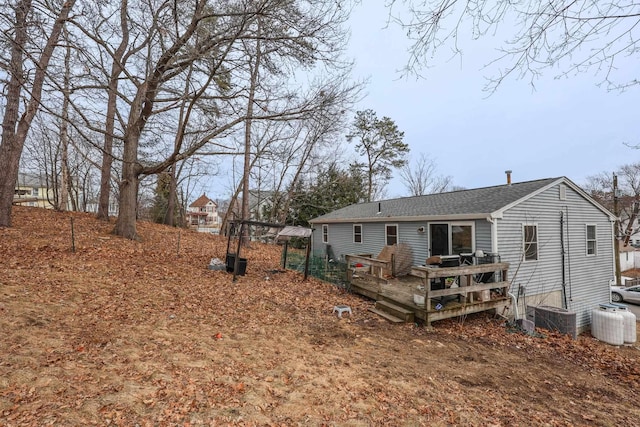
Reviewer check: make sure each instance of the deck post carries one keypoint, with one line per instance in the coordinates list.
(306, 259)
(393, 265)
(284, 255)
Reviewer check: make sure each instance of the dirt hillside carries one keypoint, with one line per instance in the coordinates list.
(141, 333)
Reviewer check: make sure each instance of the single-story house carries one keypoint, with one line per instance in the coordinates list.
(557, 239)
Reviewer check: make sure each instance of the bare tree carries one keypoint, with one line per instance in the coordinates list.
(420, 177)
(163, 81)
(25, 52)
(117, 67)
(627, 197)
(573, 36)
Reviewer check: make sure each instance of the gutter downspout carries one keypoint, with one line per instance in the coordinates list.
(494, 233)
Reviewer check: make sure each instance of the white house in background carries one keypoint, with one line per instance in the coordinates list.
(629, 257)
(202, 215)
(557, 239)
(33, 190)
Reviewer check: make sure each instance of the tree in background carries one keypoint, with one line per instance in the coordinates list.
(380, 143)
(161, 199)
(420, 177)
(574, 36)
(600, 187)
(334, 188)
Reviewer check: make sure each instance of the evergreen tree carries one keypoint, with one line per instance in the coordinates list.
(334, 188)
(161, 198)
(380, 143)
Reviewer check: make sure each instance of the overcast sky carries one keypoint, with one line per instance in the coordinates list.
(566, 127)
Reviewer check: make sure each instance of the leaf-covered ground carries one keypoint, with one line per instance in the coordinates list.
(142, 333)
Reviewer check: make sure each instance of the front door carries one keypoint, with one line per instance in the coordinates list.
(439, 239)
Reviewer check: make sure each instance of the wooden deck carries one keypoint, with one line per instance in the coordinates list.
(469, 297)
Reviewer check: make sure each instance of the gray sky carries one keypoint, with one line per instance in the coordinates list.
(565, 127)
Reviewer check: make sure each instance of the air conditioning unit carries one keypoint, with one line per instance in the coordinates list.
(554, 319)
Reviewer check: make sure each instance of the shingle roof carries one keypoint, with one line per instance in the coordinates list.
(479, 201)
(201, 202)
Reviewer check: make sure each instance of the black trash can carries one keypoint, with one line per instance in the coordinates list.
(242, 264)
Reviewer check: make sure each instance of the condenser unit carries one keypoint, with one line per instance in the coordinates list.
(554, 319)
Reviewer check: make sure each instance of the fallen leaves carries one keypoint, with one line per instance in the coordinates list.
(126, 333)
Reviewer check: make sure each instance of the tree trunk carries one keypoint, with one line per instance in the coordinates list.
(14, 132)
(169, 216)
(247, 139)
(107, 157)
(11, 146)
(126, 222)
(65, 183)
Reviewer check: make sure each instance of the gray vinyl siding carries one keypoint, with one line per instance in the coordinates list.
(373, 238)
(586, 277)
(418, 241)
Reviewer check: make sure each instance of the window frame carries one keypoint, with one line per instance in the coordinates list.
(325, 233)
(472, 227)
(450, 233)
(357, 234)
(386, 234)
(525, 243)
(594, 240)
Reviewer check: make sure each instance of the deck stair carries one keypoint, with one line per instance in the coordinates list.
(392, 312)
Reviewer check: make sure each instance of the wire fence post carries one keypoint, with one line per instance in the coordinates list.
(73, 237)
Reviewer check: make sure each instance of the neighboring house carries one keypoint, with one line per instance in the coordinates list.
(258, 202)
(557, 239)
(33, 190)
(92, 206)
(629, 257)
(203, 215)
(634, 238)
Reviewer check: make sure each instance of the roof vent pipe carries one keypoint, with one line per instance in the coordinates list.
(379, 207)
(508, 177)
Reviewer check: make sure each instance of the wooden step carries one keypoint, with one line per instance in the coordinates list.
(395, 310)
(389, 317)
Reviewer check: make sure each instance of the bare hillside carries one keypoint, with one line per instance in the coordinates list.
(141, 333)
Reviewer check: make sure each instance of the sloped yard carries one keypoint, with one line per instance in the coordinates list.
(142, 333)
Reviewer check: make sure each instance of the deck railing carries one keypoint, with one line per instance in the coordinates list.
(468, 288)
(372, 266)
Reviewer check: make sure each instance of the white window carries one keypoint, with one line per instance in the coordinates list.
(325, 233)
(391, 234)
(592, 243)
(530, 242)
(34, 192)
(357, 233)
